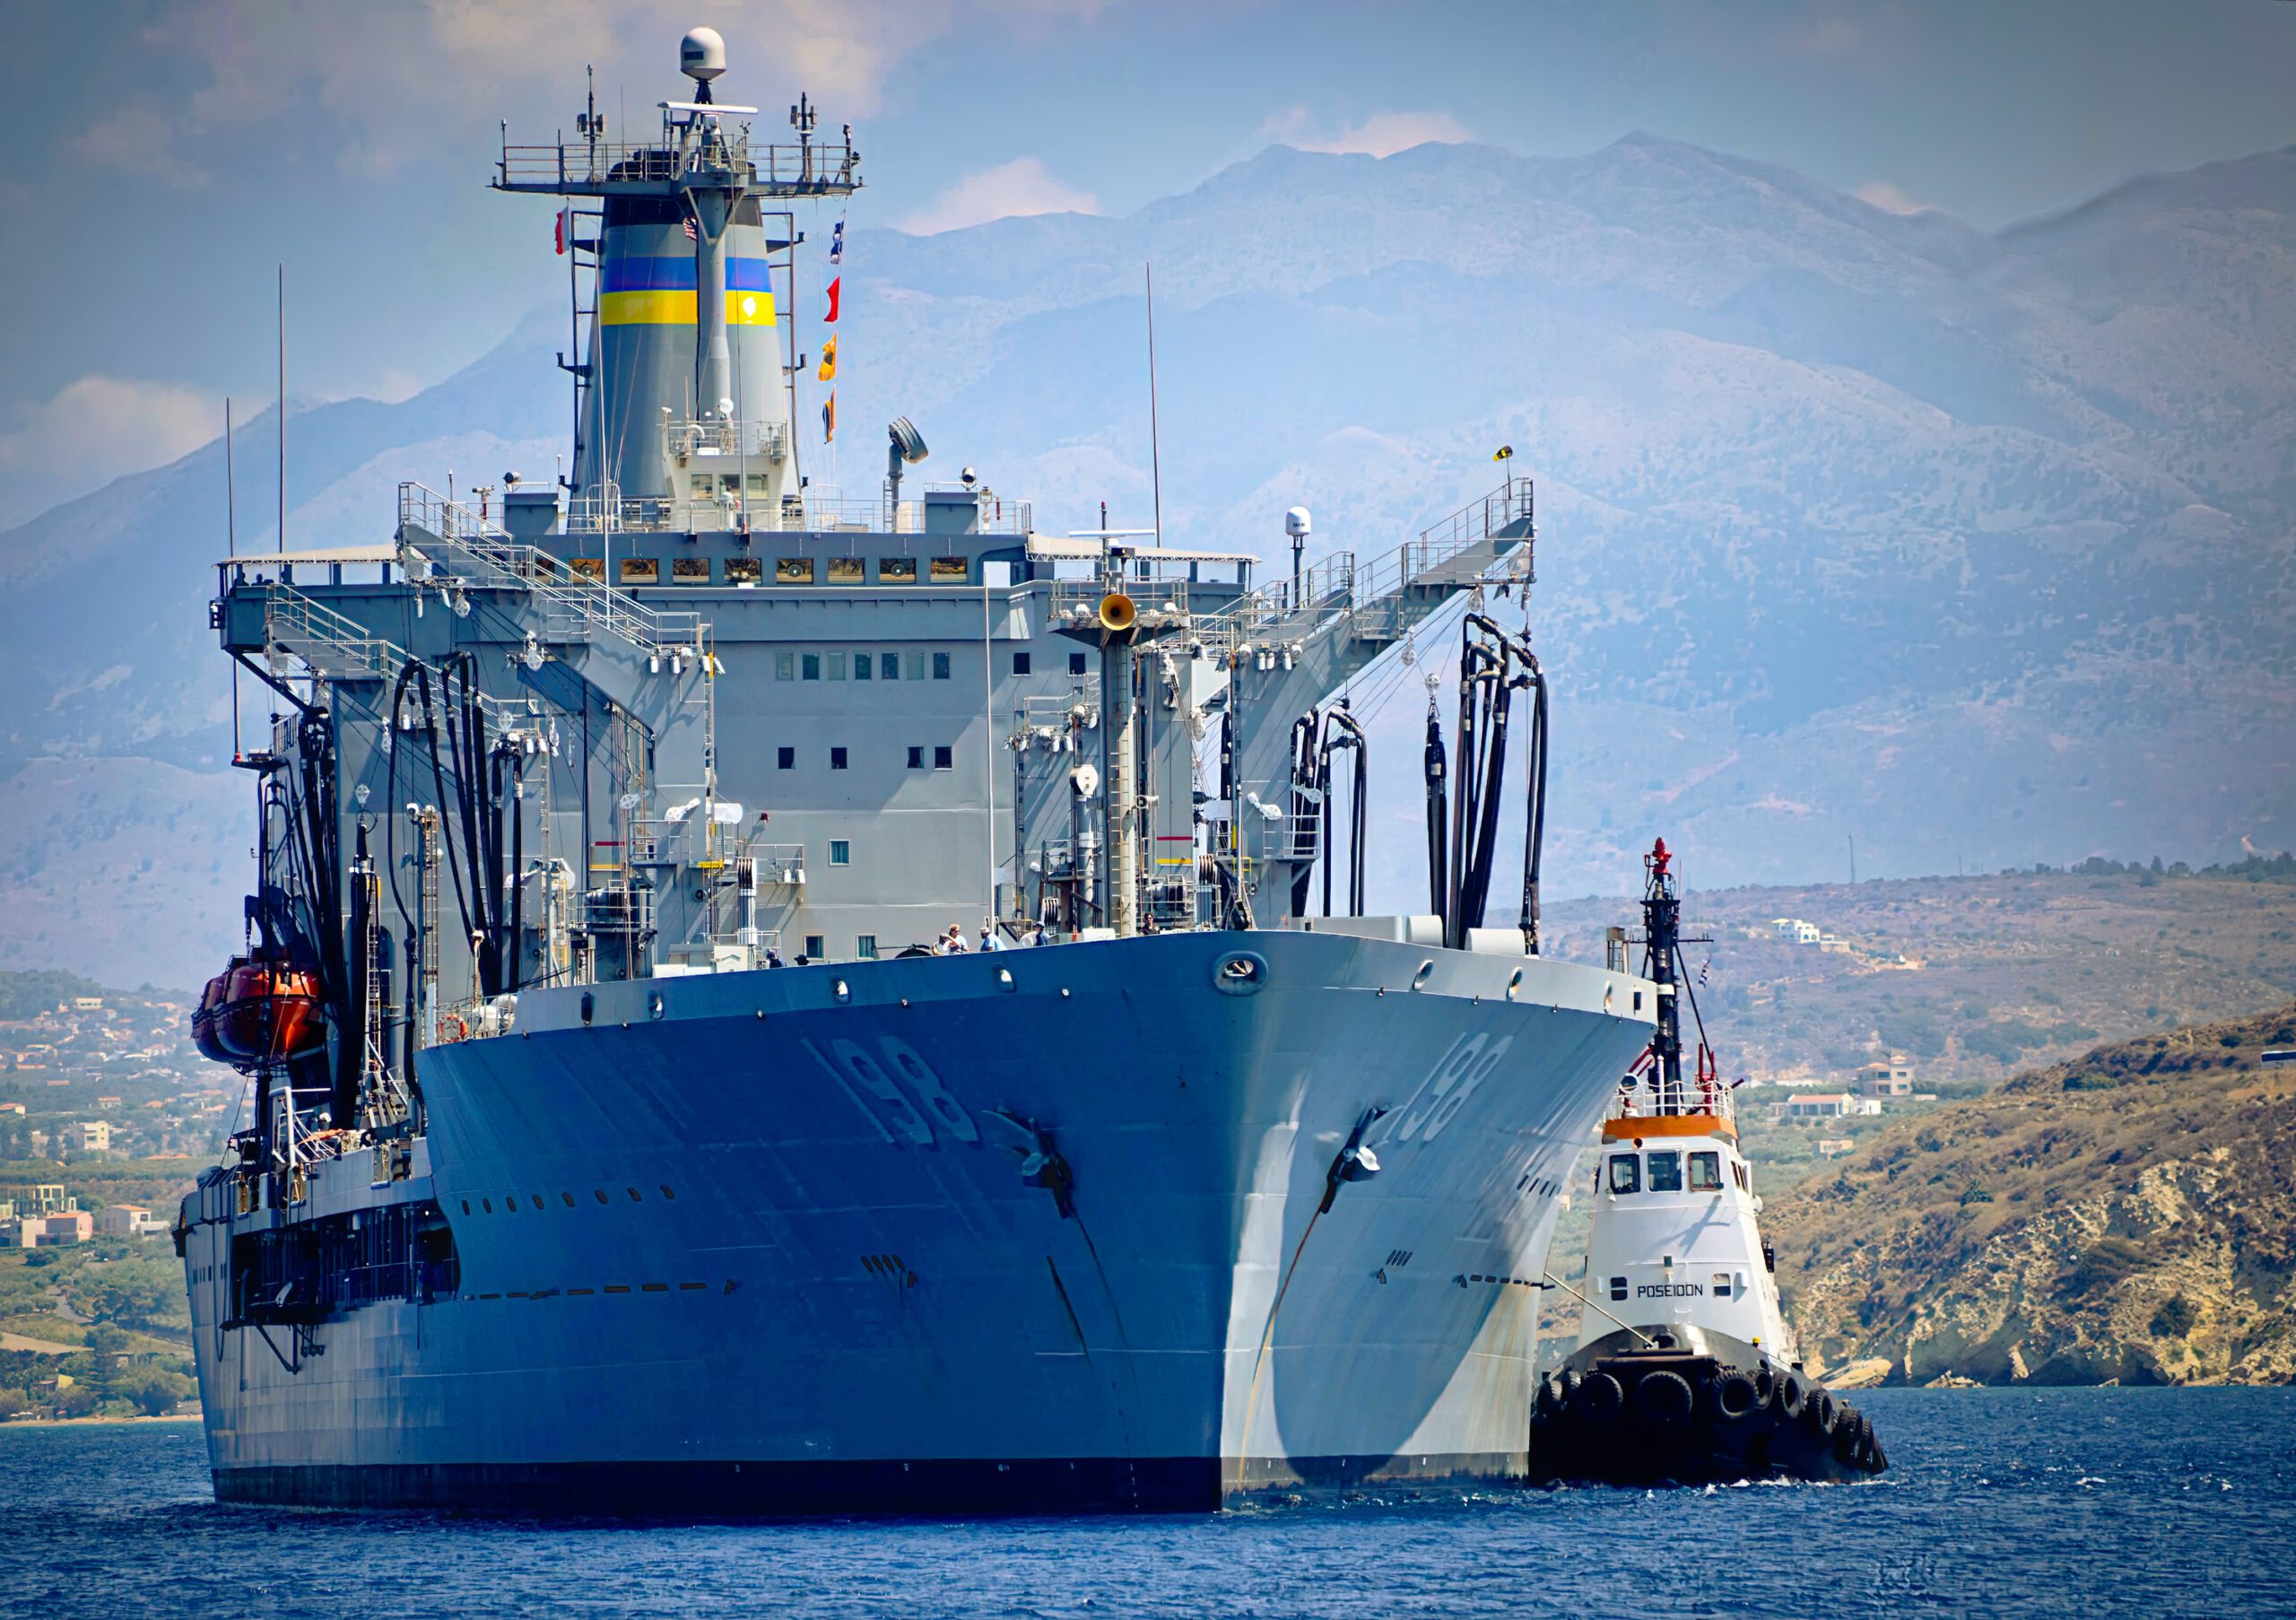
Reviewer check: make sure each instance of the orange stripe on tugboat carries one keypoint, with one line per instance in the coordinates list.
(1637, 1126)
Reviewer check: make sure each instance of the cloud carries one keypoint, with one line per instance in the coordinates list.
(1380, 135)
(1021, 186)
(139, 141)
(405, 80)
(1834, 35)
(94, 430)
(1889, 199)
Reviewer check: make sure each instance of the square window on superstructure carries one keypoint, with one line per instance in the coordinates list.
(840, 852)
(784, 665)
(1706, 1173)
(940, 665)
(744, 571)
(952, 571)
(837, 667)
(864, 665)
(793, 570)
(864, 948)
(917, 758)
(640, 570)
(1020, 663)
(785, 758)
(889, 665)
(943, 758)
(816, 947)
(1626, 1174)
(1075, 663)
(811, 663)
(1665, 1173)
(1721, 1285)
(916, 665)
(896, 571)
(690, 570)
(845, 570)
(1618, 1288)
(837, 759)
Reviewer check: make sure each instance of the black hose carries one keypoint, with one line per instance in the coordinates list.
(513, 947)
(1303, 782)
(1437, 813)
(1535, 813)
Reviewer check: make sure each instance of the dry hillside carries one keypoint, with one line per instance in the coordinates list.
(2128, 1215)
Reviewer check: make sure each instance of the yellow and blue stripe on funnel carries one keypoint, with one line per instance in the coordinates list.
(647, 290)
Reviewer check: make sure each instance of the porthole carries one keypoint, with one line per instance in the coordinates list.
(465, 1206)
(600, 1193)
(538, 1203)
(488, 1203)
(843, 992)
(1514, 983)
(635, 1197)
(1003, 979)
(568, 1198)
(1426, 972)
(654, 1006)
(666, 1192)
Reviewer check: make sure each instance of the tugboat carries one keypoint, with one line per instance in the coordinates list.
(1685, 1370)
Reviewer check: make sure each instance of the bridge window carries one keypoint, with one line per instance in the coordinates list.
(837, 667)
(840, 852)
(1721, 1285)
(864, 665)
(784, 665)
(785, 758)
(1020, 663)
(1618, 1284)
(837, 759)
(810, 665)
(1075, 663)
(1665, 1173)
(816, 947)
(1706, 1173)
(865, 947)
(917, 758)
(889, 665)
(943, 758)
(940, 665)
(916, 666)
(1626, 1174)
(793, 570)
(896, 571)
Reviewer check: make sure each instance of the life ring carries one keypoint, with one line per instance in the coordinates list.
(1600, 1397)
(452, 1027)
(1664, 1396)
(1736, 1397)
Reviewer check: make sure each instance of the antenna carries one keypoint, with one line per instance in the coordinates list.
(1155, 456)
(231, 543)
(282, 407)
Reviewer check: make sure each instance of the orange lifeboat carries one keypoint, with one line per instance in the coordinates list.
(257, 1012)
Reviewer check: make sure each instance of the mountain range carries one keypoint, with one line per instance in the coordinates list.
(1972, 547)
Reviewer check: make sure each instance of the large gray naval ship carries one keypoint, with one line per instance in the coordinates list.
(629, 1135)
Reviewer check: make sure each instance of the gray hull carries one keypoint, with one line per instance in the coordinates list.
(913, 1235)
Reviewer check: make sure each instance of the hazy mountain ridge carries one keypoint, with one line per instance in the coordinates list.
(1971, 545)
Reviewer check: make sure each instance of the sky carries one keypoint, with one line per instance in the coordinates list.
(167, 156)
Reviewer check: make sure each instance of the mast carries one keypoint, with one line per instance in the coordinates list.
(1662, 926)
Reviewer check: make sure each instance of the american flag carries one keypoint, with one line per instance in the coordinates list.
(692, 235)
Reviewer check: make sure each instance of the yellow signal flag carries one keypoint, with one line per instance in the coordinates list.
(1505, 452)
(828, 361)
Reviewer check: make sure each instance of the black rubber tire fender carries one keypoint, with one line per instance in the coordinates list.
(1849, 1437)
(1600, 1397)
(1819, 1411)
(1664, 1397)
(1550, 1403)
(1736, 1397)
(1765, 1385)
(1790, 1396)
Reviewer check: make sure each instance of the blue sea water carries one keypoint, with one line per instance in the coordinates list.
(2080, 1502)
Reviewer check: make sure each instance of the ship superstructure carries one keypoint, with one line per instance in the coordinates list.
(562, 1190)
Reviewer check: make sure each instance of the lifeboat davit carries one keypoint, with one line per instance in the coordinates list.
(258, 1013)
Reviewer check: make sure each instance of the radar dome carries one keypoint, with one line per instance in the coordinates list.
(702, 55)
(1295, 521)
